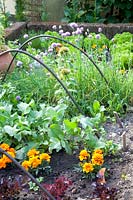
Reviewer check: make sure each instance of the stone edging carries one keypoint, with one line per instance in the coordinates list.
(109, 30)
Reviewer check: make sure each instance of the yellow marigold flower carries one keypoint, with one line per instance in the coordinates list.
(94, 46)
(32, 152)
(65, 71)
(83, 155)
(100, 49)
(63, 50)
(5, 146)
(87, 167)
(97, 159)
(2, 163)
(104, 47)
(45, 156)
(98, 151)
(122, 71)
(26, 164)
(34, 161)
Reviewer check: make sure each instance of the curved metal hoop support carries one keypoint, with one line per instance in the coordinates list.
(60, 39)
(28, 174)
(51, 71)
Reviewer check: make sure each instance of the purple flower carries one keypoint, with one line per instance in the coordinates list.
(19, 63)
(63, 34)
(18, 98)
(78, 31)
(25, 36)
(99, 29)
(67, 33)
(73, 25)
(61, 31)
(82, 28)
(50, 50)
(53, 45)
(98, 36)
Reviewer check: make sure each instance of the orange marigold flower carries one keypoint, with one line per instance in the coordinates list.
(87, 167)
(34, 161)
(97, 159)
(2, 163)
(12, 150)
(26, 164)
(45, 156)
(6, 159)
(83, 155)
(32, 152)
(5, 146)
(98, 151)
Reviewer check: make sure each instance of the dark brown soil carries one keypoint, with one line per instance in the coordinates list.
(120, 173)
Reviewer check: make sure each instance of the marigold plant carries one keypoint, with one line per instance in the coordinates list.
(4, 160)
(36, 160)
(90, 162)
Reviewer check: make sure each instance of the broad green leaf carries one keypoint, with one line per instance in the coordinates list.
(70, 126)
(24, 108)
(11, 131)
(85, 121)
(56, 132)
(66, 146)
(21, 153)
(18, 136)
(2, 93)
(100, 144)
(54, 144)
(96, 106)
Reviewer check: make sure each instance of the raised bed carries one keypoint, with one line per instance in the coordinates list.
(109, 30)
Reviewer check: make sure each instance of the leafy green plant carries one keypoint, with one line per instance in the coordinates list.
(4, 16)
(102, 11)
(122, 54)
(19, 10)
(2, 39)
(33, 186)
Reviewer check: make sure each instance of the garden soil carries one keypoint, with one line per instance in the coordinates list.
(120, 173)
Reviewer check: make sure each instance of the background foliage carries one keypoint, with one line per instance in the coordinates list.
(104, 11)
